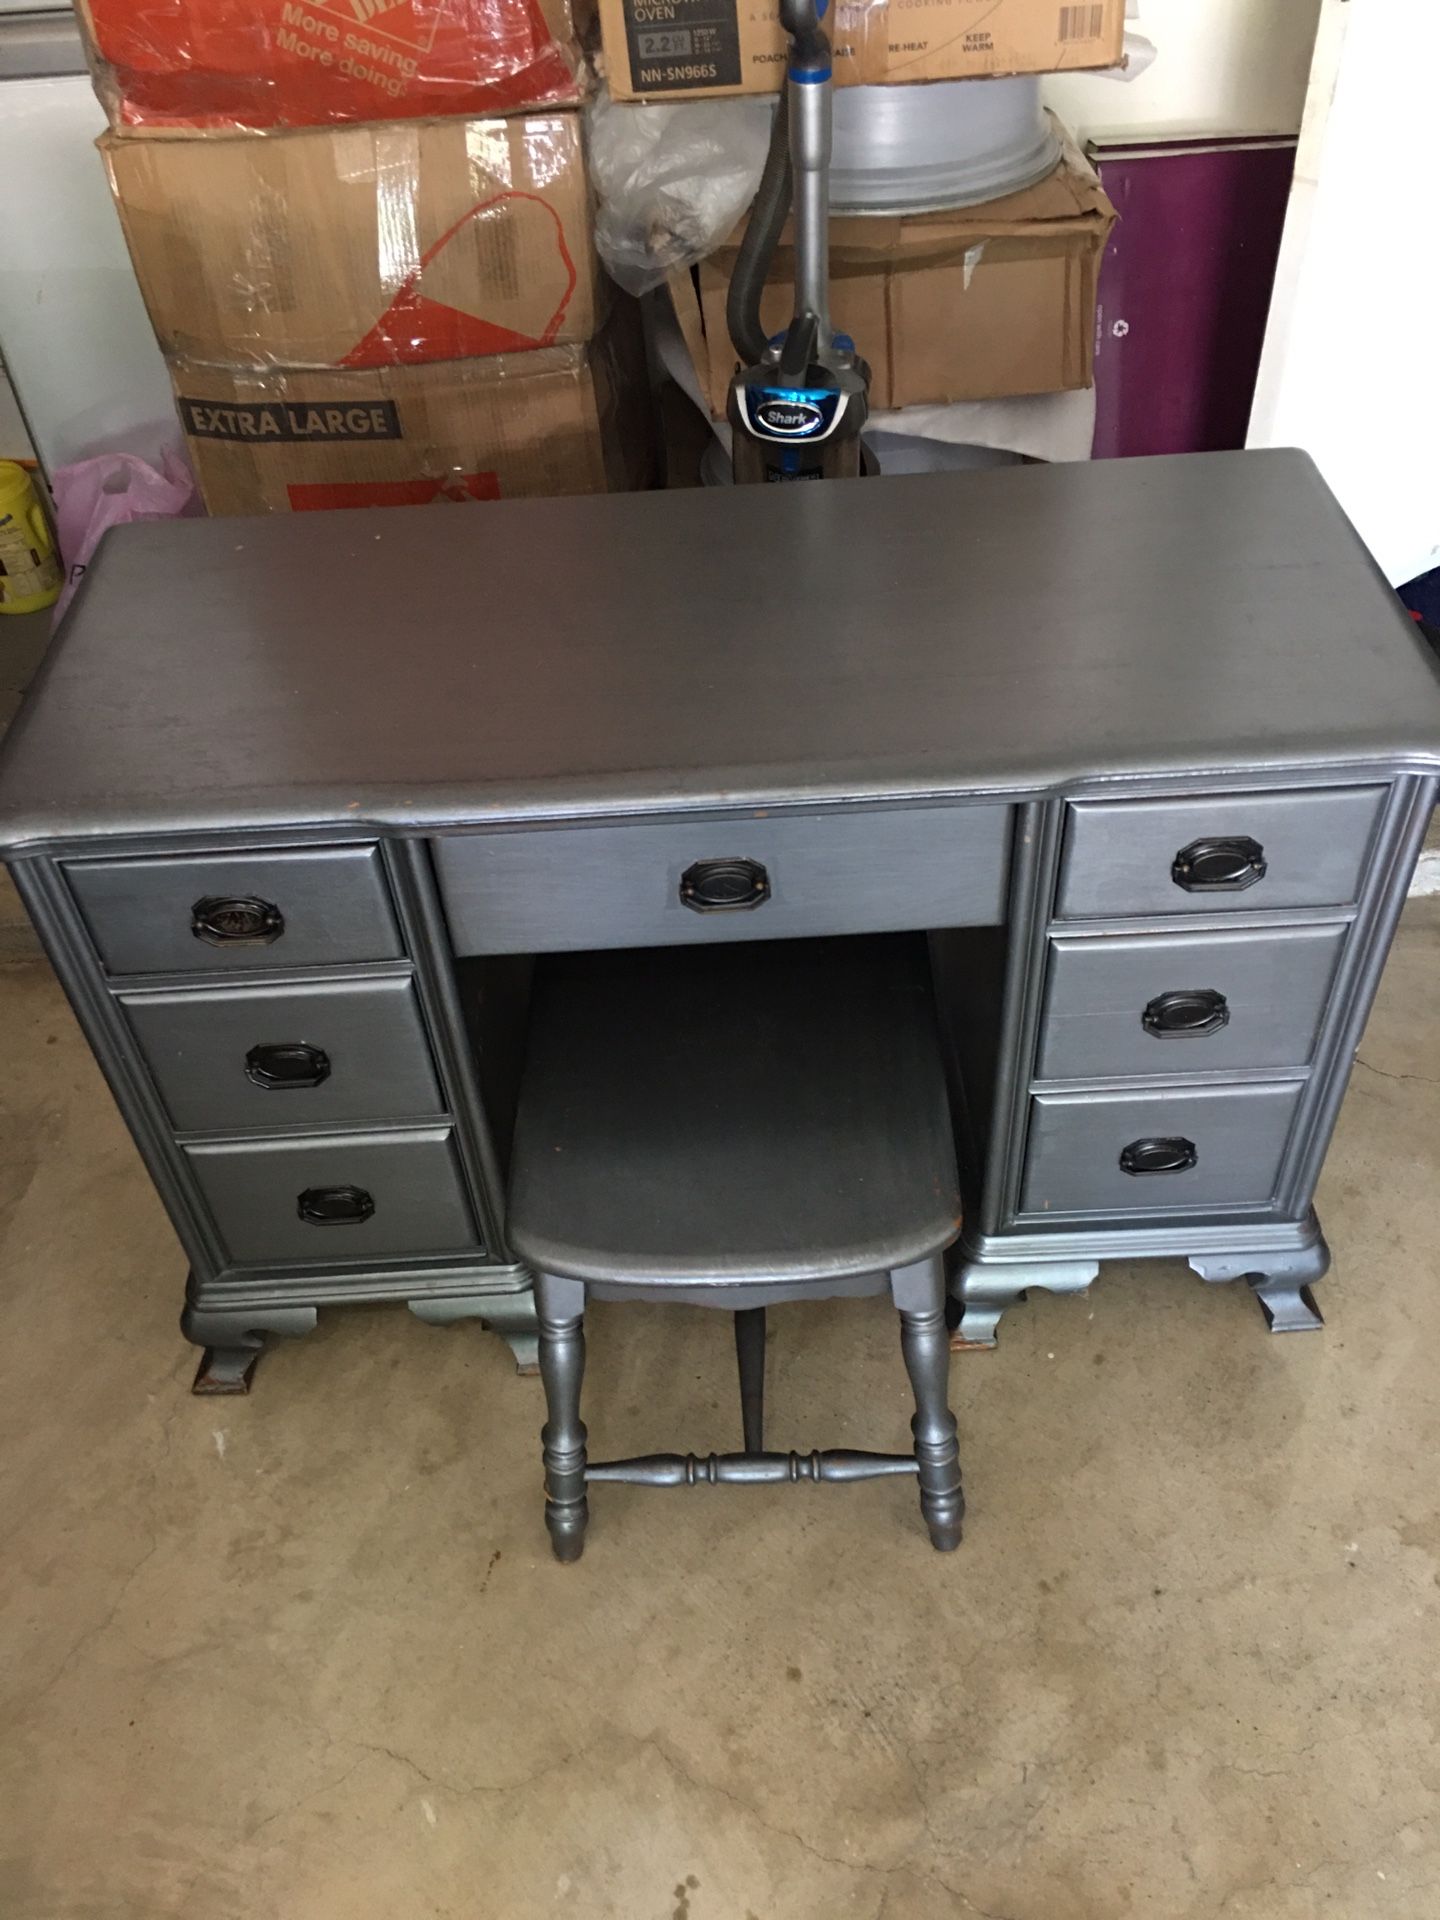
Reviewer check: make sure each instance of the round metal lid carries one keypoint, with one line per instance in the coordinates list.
(927, 148)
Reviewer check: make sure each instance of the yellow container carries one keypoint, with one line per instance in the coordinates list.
(29, 565)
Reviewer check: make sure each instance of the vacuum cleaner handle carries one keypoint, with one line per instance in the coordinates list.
(808, 90)
(809, 70)
(809, 43)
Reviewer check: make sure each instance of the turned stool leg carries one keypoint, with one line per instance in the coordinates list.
(750, 1353)
(561, 1305)
(919, 1294)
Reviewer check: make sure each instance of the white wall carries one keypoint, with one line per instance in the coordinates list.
(76, 340)
(1224, 67)
(14, 437)
(1351, 368)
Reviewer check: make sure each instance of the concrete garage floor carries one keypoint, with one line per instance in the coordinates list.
(306, 1655)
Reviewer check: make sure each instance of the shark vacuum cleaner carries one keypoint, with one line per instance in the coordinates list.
(798, 401)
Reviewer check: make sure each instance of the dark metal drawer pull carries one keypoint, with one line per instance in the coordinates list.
(335, 1206)
(287, 1063)
(1174, 1155)
(1219, 866)
(1186, 1011)
(236, 921)
(724, 886)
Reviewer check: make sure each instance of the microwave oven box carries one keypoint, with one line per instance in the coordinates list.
(704, 49)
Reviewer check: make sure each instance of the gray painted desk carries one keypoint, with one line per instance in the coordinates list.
(1146, 747)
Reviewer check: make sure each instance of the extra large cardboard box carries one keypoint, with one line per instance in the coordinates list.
(557, 420)
(996, 300)
(656, 49)
(363, 246)
(222, 65)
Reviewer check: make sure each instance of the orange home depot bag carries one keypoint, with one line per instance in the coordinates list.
(222, 65)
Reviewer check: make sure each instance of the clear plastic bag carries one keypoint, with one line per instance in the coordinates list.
(91, 496)
(672, 182)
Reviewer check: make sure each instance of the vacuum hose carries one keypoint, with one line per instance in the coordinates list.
(762, 235)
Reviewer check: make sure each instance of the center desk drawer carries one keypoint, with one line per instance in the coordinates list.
(340, 1198)
(227, 1059)
(1224, 852)
(1166, 1004)
(673, 882)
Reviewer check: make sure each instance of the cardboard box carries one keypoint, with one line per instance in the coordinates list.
(656, 49)
(362, 246)
(995, 300)
(558, 420)
(227, 65)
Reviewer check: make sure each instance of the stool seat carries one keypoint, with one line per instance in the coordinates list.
(723, 1116)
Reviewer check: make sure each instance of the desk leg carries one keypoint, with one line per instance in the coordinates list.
(984, 1289)
(1281, 1282)
(234, 1339)
(511, 1315)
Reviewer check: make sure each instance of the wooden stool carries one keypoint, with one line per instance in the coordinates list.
(736, 1126)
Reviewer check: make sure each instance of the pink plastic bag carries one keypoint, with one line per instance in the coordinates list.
(108, 491)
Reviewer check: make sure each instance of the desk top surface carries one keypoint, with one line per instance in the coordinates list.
(1013, 631)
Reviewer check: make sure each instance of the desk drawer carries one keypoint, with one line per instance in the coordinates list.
(1204, 1148)
(677, 882)
(1231, 852)
(340, 1198)
(297, 909)
(233, 1058)
(1172, 1003)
